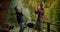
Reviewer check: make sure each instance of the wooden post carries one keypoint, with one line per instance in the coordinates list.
(48, 27)
(3, 11)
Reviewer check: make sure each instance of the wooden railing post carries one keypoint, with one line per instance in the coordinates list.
(48, 27)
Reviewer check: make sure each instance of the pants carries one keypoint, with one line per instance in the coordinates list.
(22, 27)
(38, 26)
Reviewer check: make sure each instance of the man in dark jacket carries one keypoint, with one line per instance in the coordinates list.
(20, 19)
(19, 15)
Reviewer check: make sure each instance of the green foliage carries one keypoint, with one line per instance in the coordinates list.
(58, 15)
(52, 11)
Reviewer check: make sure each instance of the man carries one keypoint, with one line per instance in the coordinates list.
(40, 18)
(20, 19)
(19, 15)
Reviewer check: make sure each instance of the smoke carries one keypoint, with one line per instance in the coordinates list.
(25, 11)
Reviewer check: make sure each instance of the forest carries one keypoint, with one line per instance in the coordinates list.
(51, 12)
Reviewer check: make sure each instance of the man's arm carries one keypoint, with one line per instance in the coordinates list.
(21, 14)
(36, 11)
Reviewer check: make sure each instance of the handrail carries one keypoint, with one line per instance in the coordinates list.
(48, 26)
(52, 23)
(50, 29)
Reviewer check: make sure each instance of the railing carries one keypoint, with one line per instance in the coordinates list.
(48, 26)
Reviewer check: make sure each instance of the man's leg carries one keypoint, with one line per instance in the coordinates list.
(39, 26)
(22, 27)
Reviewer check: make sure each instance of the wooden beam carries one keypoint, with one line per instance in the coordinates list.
(5, 4)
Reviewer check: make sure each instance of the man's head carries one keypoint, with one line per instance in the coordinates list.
(18, 9)
(41, 4)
